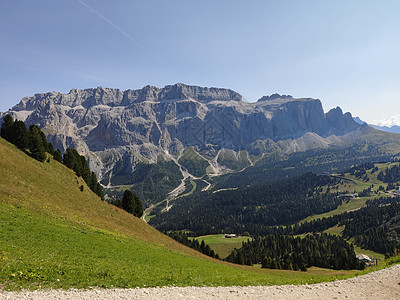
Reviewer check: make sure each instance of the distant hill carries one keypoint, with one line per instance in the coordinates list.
(390, 127)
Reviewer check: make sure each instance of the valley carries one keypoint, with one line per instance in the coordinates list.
(362, 193)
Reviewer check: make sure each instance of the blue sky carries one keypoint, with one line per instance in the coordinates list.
(345, 53)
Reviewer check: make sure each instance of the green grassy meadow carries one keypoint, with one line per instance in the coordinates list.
(221, 245)
(43, 252)
(346, 206)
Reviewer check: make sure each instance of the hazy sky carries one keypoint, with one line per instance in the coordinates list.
(346, 53)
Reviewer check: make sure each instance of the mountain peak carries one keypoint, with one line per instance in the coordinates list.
(274, 97)
(180, 91)
(116, 97)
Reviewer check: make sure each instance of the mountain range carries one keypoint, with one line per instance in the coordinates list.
(391, 125)
(165, 136)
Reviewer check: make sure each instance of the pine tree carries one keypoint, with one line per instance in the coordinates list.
(21, 136)
(93, 181)
(202, 246)
(240, 258)
(50, 148)
(58, 155)
(36, 147)
(72, 160)
(138, 210)
(85, 172)
(68, 158)
(95, 186)
(7, 128)
(131, 203)
(99, 191)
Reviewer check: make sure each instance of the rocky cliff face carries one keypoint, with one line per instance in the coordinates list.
(143, 126)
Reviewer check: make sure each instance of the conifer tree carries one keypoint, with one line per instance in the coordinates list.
(99, 191)
(94, 185)
(128, 201)
(240, 260)
(138, 211)
(7, 128)
(93, 181)
(50, 148)
(131, 203)
(58, 155)
(68, 158)
(202, 246)
(21, 135)
(71, 159)
(36, 147)
(85, 172)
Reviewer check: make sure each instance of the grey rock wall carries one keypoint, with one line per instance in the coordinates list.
(151, 120)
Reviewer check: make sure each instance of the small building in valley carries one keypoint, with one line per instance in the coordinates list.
(347, 196)
(364, 258)
(230, 235)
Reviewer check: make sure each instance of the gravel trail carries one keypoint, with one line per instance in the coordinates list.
(383, 284)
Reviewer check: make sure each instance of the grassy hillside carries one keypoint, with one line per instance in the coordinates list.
(55, 235)
(353, 184)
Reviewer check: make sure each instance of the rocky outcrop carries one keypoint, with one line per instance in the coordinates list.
(105, 123)
(273, 97)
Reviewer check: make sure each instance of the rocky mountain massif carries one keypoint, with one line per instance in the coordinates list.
(164, 136)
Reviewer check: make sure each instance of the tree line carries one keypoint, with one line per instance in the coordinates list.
(186, 239)
(73, 160)
(34, 143)
(297, 253)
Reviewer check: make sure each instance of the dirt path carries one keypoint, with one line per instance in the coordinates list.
(383, 284)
